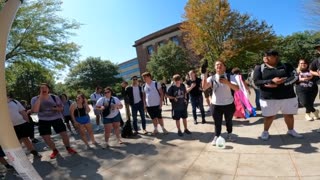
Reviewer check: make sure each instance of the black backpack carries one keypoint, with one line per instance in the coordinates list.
(127, 130)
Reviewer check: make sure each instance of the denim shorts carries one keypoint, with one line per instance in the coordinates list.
(117, 118)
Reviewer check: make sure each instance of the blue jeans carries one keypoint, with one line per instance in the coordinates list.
(134, 109)
(197, 102)
(257, 92)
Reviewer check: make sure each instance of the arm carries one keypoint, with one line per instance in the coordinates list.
(313, 68)
(35, 104)
(161, 94)
(86, 106)
(24, 115)
(205, 84)
(71, 109)
(293, 77)
(257, 77)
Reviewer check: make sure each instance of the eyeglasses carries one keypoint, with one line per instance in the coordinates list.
(107, 92)
(134, 79)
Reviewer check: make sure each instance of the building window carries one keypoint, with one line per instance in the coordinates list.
(175, 40)
(161, 43)
(150, 49)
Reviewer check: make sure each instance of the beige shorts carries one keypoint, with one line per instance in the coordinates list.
(271, 107)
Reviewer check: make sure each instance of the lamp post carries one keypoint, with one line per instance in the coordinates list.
(8, 139)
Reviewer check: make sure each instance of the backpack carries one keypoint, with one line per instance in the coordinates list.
(127, 130)
(107, 109)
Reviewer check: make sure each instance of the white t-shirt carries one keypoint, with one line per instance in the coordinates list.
(136, 94)
(94, 98)
(221, 93)
(14, 109)
(105, 101)
(152, 94)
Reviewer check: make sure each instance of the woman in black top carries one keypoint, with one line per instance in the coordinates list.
(79, 114)
(307, 90)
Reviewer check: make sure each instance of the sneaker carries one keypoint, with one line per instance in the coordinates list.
(316, 114)
(35, 154)
(265, 135)
(71, 150)
(155, 132)
(144, 132)
(213, 143)
(180, 133)
(308, 117)
(230, 137)
(203, 121)
(97, 129)
(195, 122)
(187, 131)
(54, 154)
(9, 167)
(165, 131)
(35, 141)
(294, 133)
(135, 133)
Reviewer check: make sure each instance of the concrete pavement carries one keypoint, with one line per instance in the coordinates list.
(192, 156)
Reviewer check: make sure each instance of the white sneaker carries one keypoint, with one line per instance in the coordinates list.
(308, 117)
(213, 143)
(316, 114)
(265, 135)
(294, 133)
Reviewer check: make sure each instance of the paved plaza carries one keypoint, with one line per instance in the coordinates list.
(191, 156)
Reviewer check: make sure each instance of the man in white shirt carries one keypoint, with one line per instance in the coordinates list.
(94, 98)
(152, 98)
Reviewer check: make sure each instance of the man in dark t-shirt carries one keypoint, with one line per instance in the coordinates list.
(195, 90)
(276, 81)
(177, 94)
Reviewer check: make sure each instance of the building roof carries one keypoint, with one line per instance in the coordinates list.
(125, 62)
(157, 34)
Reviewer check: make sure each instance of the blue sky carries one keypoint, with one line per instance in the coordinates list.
(110, 27)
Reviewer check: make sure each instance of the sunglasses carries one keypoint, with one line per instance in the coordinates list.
(107, 92)
(134, 79)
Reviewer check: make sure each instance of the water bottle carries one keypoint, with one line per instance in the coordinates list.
(221, 142)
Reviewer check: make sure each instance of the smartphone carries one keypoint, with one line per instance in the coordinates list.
(222, 76)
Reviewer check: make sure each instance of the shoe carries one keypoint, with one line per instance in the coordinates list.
(71, 150)
(316, 114)
(308, 117)
(97, 129)
(144, 132)
(35, 154)
(195, 122)
(9, 167)
(265, 135)
(230, 137)
(213, 143)
(203, 121)
(187, 131)
(54, 154)
(135, 133)
(35, 141)
(165, 131)
(180, 133)
(155, 132)
(294, 133)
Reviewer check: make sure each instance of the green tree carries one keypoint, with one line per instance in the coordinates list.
(170, 59)
(23, 79)
(296, 46)
(40, 35)
(215, 31)
(93, 72)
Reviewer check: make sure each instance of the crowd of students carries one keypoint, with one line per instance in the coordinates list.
(275, 85)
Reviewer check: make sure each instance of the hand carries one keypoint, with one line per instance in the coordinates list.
(193, 85)
(224, 81)
(278, 80)
(271, 85)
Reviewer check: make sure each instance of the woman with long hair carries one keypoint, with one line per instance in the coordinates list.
(79, 113)
(307, 90)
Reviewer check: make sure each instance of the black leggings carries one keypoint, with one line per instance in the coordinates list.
(217, 113)
(307, 96)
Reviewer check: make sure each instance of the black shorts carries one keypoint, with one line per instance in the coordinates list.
(23, 130)
(1, 152)
(45, 126)
(67, 119)
(154, 112)
(177, 114)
